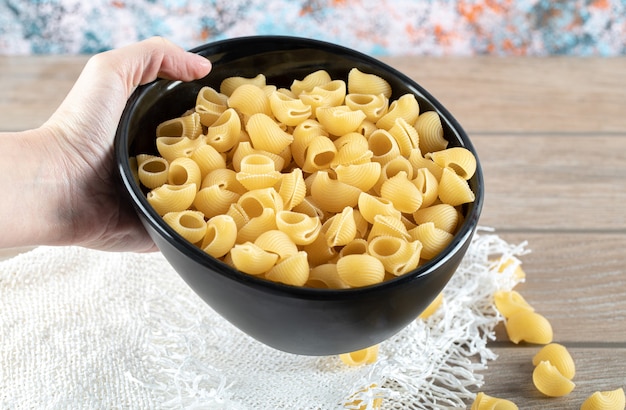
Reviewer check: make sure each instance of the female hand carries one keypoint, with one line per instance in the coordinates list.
(62, 182)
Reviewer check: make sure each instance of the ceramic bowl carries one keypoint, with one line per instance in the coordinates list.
(293, 319)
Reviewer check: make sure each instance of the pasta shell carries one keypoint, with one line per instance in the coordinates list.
(301, 228)
(184, 171)
(325, 276)
(292, 189)
(341, 228)
(264, 222)
(559, 357)
(357, 246)
(188, 224)
(249, 99)
(210, 105)
(225, 179)
(430, 130)
(185, 126)
(330, 94)
(405, 107)
(220, 237)
(528, 326)
(152, 170)
(238, 214)
(363, 176)
(397, 255)
(370, 206)
(224, 133)
(342, 194)
(385, 225)
(405, 135)
(266, 134)
(277, 242)
(485, 402)
(171, 148)
(361, 357)
(171, 198)
(459, 159)
(353, 152)
(454, 190)
(310, 208)
(550, 382)
(214, 200)
(288, 110)
(418, 162)
(444, 216)
(250, 259)
(365, 83)
(360, 270)
(292, 271)
(428, 185)
(366, 128)
(402, 193)
(383, 146)
(339, 120)
(318, 251)
(230, 84)
(208, 159)
(373, 106)
(303, 134)
(320, 152)
(245, 148)
(253, 203)
(312, 80)
(433, 239)
(257, 172)
(602, 400)
(510, 302)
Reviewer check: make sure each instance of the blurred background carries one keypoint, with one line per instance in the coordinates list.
(376, 27)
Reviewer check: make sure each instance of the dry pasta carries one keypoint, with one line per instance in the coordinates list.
(559, 357)
(327, 183)
(360, 357)
(549, 381)
(528, 326)
(605, 400)
(486, 402)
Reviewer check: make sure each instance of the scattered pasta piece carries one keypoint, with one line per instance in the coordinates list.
(349, 177)
(605, 400)
(559, 357)
(485, 402)
(549, 381)
(510, 302)
(368, 355)
(432, 308)
(529, 327)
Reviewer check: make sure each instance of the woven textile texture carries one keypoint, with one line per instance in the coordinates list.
(94, 330)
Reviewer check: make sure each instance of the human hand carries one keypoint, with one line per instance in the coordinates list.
(79, 139)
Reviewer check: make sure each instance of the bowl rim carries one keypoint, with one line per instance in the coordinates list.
(140, 204)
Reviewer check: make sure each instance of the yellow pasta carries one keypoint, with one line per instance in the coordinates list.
(250, 258)
(405, 107)
(510, 302)
(549, 381)
(224, 133)
(301, 228)
(294, 270)
(527, 326)
(189, 224)
(325, 184)
(171, 198)
(266, 134)
(430, 130)
(230, 84)
(368, 355)
(486, 402)
(605, 400)
(365, 83)
(220, 236)
(360, 270)
(373, 106)
(152, 170)
(559, 357)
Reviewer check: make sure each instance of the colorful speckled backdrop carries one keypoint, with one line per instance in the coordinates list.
(377, 27)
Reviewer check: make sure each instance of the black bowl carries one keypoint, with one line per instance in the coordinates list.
(293, 319)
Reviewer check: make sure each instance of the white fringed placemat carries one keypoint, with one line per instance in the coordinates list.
(96, 330)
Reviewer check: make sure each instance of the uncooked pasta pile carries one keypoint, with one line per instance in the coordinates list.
(88, 329)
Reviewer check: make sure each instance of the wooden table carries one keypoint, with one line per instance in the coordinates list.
(551, 136)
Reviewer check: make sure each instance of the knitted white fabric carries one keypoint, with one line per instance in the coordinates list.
(95, 330)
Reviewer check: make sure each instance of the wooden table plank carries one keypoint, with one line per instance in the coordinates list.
(525, 95)
(554, 182)
(510, 376)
